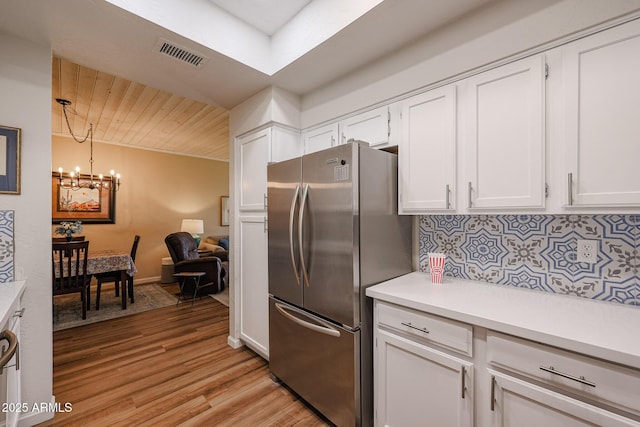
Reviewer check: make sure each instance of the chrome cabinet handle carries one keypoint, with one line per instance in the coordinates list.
(409, 325)
(579, 379)
(265, 201)
(570, 189)
(303, 203)
(11, 338)
(469, 190)
(464, 370)
(447, 202)
(291, 218)
(19, 313)
(493, 393)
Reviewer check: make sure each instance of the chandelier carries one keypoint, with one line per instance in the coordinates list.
(74, 180)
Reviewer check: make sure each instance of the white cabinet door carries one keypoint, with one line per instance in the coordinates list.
(505, 136)
(372, 126)
(427, 151)
(253, 284)
(419, 386)
(601, 91)
(320, 138)
(254, 156)
(10, 379)
(285, 144)
(517, 403)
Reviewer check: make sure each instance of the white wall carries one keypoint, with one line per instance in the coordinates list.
(498, 31)
(25, 85)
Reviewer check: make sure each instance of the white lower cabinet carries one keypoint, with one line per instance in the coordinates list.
(10, 378)
(519, 403)
(417, 385)
(419, 381)
(253, 283)
(428, 373)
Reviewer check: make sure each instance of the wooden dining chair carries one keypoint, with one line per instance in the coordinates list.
(64, 239)
(70, 259)
(115, 276)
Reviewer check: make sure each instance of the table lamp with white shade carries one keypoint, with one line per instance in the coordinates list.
(194, 227)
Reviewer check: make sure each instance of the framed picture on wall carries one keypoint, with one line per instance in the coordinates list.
(9, 160)
(76, 201)
(224, 210)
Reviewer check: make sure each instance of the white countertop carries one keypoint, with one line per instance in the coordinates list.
(605, 330)
(10, 293)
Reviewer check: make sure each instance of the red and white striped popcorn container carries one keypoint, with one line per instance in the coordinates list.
(436, 265)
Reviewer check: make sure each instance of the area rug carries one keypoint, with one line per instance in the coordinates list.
(67, 309)
(222, 297)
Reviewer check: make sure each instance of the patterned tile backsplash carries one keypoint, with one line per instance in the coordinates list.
(6, 246)
(539, 252)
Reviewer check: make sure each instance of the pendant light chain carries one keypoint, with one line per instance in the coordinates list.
(92, 184)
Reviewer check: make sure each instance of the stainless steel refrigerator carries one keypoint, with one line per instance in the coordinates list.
(333, 231)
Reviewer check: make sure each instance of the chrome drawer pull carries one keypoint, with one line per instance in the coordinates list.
(447, 193)
(19, 313)
(409, 325)
(579, 379)
(493, 393)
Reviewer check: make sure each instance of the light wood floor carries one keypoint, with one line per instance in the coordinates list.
(167, 367)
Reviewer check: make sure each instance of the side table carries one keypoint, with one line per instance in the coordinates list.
(195, 276)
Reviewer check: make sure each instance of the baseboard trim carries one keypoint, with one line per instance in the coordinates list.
(234, 343)
(36, 417)
(145, 280)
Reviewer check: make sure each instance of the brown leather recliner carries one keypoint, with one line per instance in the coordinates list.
(184, 253)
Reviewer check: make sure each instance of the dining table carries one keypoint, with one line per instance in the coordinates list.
(107, 260)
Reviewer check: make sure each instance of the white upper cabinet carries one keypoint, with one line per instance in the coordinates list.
(602, 112)
(504, 138)
(427, 151)
(254, 156)
(320, 138)
(285, 144)
(256, 150)
(372, 126)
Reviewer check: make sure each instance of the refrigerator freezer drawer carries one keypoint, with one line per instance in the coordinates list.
(317, 360)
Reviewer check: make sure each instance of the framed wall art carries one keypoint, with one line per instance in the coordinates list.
(9, 160)
(224, 210)
(71, 201)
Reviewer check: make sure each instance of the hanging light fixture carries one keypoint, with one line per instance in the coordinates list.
(72, 180)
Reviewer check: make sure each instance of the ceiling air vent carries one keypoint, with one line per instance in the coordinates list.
(181, 54)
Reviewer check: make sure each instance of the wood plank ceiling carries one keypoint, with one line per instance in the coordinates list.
(131, 114)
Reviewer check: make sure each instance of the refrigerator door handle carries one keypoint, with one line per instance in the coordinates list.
(291, 217)
(326, 329)
(303, 202)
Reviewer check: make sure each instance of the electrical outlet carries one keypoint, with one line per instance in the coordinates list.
(587, 251)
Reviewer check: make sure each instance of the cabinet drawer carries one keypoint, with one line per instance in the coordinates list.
(601, 381)
(428, 328)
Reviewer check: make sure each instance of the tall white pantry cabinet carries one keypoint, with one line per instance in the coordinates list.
(255, 150)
